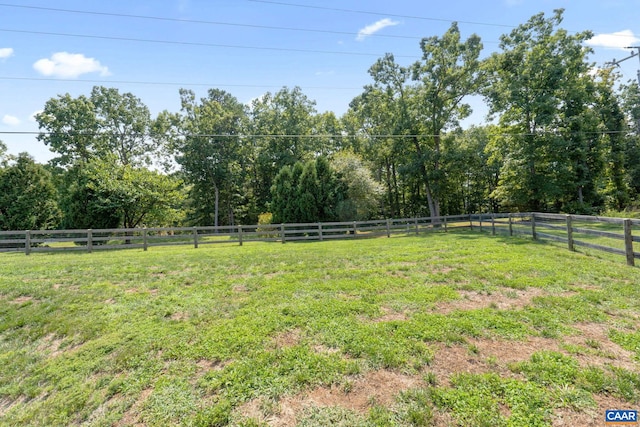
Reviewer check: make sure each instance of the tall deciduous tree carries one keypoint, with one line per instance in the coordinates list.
(282, 125)
(211, 152)
(107, 123)
(448, 72)
(538, 85)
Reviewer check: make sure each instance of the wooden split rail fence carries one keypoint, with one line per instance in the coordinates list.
(613, 235)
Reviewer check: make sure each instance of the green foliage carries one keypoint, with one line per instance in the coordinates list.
(363, 194)
(306, 192)
(211, 154)
(107, 123)
(28, 198)
(107, 195)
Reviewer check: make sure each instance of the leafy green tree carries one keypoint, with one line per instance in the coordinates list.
(448, 72)
(630, 99)
(70, 127)
(361, 194)
(211, 153)
(3, 154)
(612, 161)
(28, 198)
(306, 192)
(538, 84)
(136, 195)
(283, 125)
(107, 123)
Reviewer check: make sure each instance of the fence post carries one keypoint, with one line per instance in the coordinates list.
(27, 242)
(628, 242)
(320, 231)
(493, 224)
(145, 242)
(445, 223)
(510, 226)
(284, 238)
(195, 237)
(570, 234)
(533, 226)
(240, 235)
(388, 227)
(481, 223)
(89, 240)
(355, 229)
(471, 221)
(415, 221)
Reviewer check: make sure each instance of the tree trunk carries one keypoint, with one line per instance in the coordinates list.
(217, 205)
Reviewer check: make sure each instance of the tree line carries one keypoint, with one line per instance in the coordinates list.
(562, 136)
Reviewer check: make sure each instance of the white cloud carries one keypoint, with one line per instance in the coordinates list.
(617, 40)
(374, 28)
(69, 65)
(10, 120)
(6, 52)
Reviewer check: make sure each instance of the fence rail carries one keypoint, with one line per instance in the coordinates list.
(612, 235)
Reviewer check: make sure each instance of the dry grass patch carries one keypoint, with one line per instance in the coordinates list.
(599, 350)
(359, 394)
(132, 416)
(506, 299)
(390, 315)
(23, 299)
(288, 338)
(566, 417)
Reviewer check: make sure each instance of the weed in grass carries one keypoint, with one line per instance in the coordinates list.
(593, 343)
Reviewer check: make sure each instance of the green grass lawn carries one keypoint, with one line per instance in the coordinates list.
(443, 329)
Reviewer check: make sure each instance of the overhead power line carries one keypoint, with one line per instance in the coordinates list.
(183, 43)
(44, 79)
(395, 15)
(197, 21)
(392, 15)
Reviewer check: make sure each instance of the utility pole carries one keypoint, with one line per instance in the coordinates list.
(616, 63)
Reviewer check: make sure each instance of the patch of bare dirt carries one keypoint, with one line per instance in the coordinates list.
(50, 344)
(319, 348)
(288, 338)
(390, 315)
(131, 417)
(205, 365)
(180, 315)
(482, 356)
(239, 288)
(456, 359)
(607, 351)
(22, 299)
(566, 417)
(131, 291)
(6, 404)
(442, 270)
(501, 300)
(377, 387)
(110, 301)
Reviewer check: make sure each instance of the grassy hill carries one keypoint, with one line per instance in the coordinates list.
(442, 329)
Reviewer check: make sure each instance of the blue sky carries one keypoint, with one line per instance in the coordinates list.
(230, 46)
